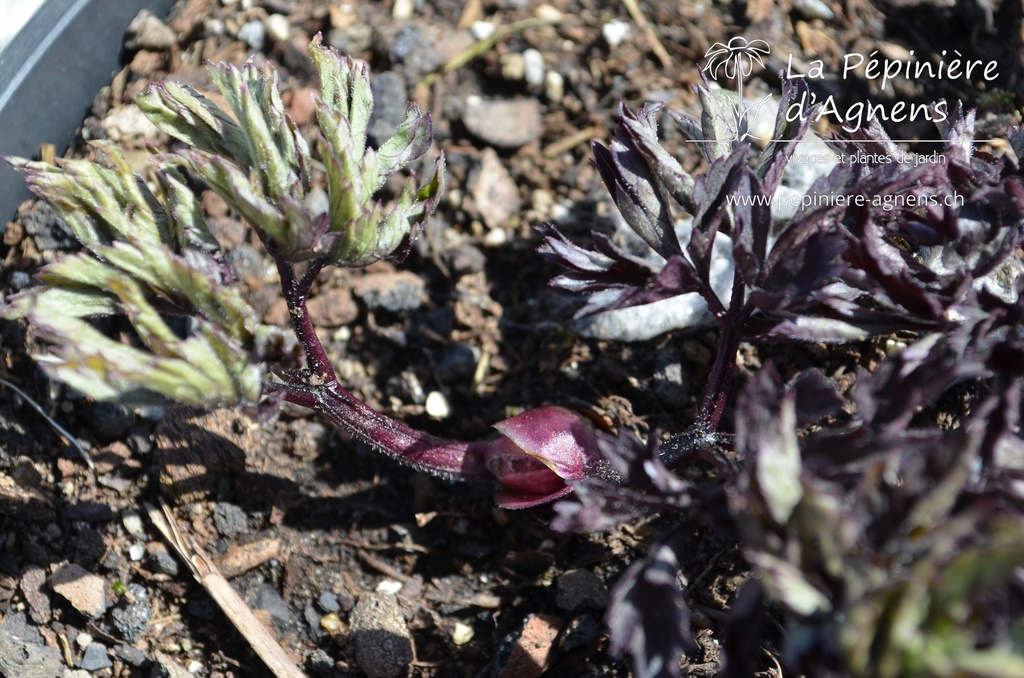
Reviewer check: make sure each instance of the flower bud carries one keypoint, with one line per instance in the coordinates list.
(539, 452)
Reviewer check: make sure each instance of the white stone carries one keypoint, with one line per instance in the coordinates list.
(554, 87)
(814, 9)
(214, 27)
(133, 523)
(254, 34)
(481, 30)
(533, 63)
(549, 13)
(278, 27)
(389, 586)
(437, 405)
(403, 9)
(462, 634)
(615, 32)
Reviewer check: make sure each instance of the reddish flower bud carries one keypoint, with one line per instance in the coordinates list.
(539, 451)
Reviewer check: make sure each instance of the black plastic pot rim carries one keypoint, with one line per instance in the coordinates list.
(50, 74)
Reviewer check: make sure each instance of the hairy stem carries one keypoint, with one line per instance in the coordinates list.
(296, 290)
(454, 459)
(324, 393)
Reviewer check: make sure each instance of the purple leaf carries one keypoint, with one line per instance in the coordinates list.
(648, 617)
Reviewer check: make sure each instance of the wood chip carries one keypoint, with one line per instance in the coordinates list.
(240, 559)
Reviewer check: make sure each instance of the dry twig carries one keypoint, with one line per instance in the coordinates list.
(644, 25)
(207, 574)
(72, 440)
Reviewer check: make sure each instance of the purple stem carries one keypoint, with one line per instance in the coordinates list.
(323, 393)
(454, 459)
(716, 392)
(295, 293)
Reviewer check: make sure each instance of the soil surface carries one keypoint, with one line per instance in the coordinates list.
(333, 546)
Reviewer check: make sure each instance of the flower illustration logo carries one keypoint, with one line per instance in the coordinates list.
(736, 60)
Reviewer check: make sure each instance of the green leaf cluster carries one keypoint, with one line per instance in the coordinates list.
(149, 257)
(257, 160)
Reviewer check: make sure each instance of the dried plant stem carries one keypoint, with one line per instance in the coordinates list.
(57, 427)
(481, 47)
(641, 21)
(207, 574)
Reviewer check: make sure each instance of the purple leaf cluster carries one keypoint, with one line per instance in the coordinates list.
(883, 538)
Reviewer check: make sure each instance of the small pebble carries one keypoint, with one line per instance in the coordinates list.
(495, 191)
(534, 68)
(583, 631)
(615, 32)
(278, 29)
(581, 590)
(554, 87)
(229, 519)
(131, 655)
(403, 9)
(82, 589)
(389, 102)
(389, 586)
(83, 640)
(253, 34)
(165, 562)
(320, 661)
(354, 39)
(146, 31)
(383, 645)
(328, 602)
(270, 601)
(330, 622)
(131, 617)
(531, 649)
(481, 30)
(111, 421)
(513, 66)
(214, 27)
(437, 405)
(521, 121)
(136, 552)
(20, 280)
(462, 634)
(549, 13)
(95, 658)
(814, 9)
(133, 523)
(395, 292)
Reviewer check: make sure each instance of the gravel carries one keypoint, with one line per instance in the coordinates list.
(383, 646)
(95, 658)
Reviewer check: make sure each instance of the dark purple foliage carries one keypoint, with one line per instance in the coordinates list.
(844, 503)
